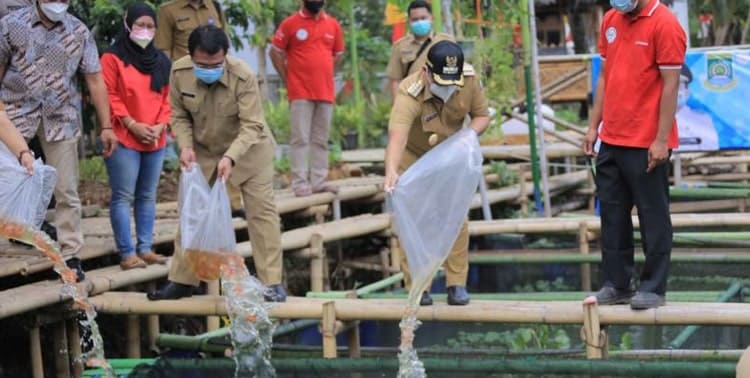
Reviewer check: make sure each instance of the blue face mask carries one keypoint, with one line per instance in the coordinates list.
(421, 28)
(624, 6)
(208, 75)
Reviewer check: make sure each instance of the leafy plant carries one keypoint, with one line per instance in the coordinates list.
(278, 117)
(282, 165)
(93, 169)
(505, 174)
(538, 337)
(543, 286)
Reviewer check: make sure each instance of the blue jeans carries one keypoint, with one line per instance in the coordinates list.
(133, 177)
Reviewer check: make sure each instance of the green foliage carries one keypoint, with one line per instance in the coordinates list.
(278, 117)
(543, 286)
(537, 337)
(626, 342)
(374, 115)
(282, 165)
(507, 176)
(93, 169)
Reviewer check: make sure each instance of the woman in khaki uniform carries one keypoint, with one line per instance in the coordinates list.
(430, 106)
(218, 120)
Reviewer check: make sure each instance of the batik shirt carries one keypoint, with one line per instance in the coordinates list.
(39, 87)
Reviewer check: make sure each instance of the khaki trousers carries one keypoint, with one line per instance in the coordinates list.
(456, 266)
(63, 156)
(263, 222)
(311, 123)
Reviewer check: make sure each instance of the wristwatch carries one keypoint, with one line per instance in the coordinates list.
(20, 155)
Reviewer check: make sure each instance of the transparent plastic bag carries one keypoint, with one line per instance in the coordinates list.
(207, 232)
(24, 198)
(431, 201)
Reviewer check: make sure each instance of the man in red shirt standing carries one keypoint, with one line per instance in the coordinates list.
(643, 48)
(306, 48)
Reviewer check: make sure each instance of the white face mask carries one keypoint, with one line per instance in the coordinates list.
(55, 11)
(444, 92)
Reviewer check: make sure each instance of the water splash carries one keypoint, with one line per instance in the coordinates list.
(251, 327)
(93, 344)
(409, 365)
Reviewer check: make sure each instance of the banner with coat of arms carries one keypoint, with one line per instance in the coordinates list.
(713, 100)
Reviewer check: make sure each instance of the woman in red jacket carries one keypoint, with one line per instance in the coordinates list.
(137, 77)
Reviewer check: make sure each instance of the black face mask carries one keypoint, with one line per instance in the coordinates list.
(313, 6)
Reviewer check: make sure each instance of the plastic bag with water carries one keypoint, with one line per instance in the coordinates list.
(429, 206)
(431, 201)
(23, 197)
(207, 233)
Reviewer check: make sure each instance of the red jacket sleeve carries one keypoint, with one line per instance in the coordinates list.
(671, 45)
(111, 72)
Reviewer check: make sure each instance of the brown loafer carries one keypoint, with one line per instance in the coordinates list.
(152, 258)
(132, 262)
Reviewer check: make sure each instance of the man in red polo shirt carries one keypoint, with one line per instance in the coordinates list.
(643, 48)
(306, 48)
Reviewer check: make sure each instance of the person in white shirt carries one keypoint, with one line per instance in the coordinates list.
(695, 128)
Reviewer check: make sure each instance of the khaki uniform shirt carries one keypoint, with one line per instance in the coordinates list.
(222, 119)
(7, 6)
(177, 19)
(418, 112)
(405, 51)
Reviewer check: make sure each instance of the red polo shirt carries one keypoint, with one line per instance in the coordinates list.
(311, 43)
(635, 49)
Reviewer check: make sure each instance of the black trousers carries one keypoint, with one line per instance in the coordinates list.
(621, 182)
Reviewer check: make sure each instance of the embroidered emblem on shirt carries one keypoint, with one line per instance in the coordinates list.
(611, 34)
(415, 88)
(302, 34)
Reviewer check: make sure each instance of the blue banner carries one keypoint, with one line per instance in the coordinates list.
(713, 106)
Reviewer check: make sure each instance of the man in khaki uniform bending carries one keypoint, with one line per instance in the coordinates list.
(409, 53)
(218, 120)
(430, 106)
(176, 20)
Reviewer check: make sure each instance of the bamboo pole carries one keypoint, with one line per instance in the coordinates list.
(74, 345)
(593, 335)
(328, 326)
(60, 345)
(593, 258)
(35, 350)
(707, 193)
(316, 263)
(532, 366)
(686, 333)
(583, 244)
(152, 322)
(673, 296)
(558, 135)
(213, 322)
(364, 290)
(134, 336)
(478, 311)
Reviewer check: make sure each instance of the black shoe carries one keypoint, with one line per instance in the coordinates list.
(275, 293)
(238, 213)
(171, 291)
(458, 296)
(645, 301)
(75, 264)
(608, 295)
(426, 299)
